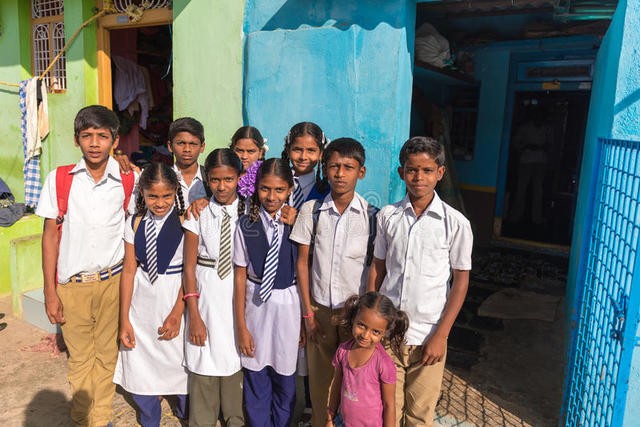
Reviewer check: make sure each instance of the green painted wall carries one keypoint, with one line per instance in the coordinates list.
(11, 70)
(207, 70)
(15, 65)
(26, 270)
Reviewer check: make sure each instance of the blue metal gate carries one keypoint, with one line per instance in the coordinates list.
(607, 310)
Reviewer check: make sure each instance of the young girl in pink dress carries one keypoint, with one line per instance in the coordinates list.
(364, 382)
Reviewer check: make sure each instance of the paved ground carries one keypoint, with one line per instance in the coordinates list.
(516, 380)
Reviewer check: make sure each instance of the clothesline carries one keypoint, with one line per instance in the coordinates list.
(135, 13)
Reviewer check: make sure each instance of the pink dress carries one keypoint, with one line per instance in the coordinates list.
(361, 393)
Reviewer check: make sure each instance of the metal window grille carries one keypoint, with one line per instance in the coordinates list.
(48, 40)
(605, 334)
(46, 8)
(122, 5)
(59, 72)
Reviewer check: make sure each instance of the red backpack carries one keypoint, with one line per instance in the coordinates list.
(63, 185)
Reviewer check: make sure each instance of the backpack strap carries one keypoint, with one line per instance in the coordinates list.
(372, 213)
(128, 180)
(205, 183)
(64, 178)
(315, 216)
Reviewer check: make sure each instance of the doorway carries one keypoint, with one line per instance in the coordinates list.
(142, 95)
(545, 153)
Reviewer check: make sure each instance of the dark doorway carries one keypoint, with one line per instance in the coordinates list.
(545, 154)
(141, 64)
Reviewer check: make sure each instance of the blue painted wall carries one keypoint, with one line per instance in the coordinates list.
(346, 66)
(613, 113)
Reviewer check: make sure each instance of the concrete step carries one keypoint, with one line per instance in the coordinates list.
(33, 311)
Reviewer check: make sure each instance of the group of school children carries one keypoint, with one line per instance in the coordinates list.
(272, 258)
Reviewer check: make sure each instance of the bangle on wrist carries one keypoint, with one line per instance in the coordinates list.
(190, 294)
(309, 315)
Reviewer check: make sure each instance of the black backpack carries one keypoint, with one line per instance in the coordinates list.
(372, 212)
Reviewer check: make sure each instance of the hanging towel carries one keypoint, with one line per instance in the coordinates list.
(130, 88)
(37, 116)
(31, 170)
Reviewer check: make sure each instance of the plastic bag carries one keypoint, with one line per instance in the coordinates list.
(431, 47)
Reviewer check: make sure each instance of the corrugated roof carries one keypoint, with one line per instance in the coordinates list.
(562, 9)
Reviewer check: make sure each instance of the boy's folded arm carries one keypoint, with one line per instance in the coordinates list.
(53, 305)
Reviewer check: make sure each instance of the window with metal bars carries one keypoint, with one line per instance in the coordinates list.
(47, 40)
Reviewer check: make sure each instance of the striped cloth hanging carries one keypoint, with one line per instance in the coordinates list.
(31, 169)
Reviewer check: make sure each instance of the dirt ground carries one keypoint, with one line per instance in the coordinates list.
(516, 382)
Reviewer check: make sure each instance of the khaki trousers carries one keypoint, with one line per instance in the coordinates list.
(207, 395)
(319, 357)
(417, 387)
(90, 332)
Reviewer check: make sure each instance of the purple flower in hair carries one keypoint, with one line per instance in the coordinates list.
(247, 184)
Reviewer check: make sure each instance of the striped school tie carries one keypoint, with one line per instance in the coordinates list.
(152, 249)
(224, 260)
(298, 196)
(270, 266)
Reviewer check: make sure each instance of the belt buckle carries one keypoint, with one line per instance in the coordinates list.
(90, 277)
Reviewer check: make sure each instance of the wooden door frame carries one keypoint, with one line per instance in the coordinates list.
(151, 17)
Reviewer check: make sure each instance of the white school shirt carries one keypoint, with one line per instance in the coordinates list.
(306, 183)
(419, 254)
(339, 268)
(207, 227)
(130, 235)
(194, 191)
(93, 227)
(241, 254)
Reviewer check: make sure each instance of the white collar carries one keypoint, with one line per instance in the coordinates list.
(358, 204)
(436, 206)
(112, 169)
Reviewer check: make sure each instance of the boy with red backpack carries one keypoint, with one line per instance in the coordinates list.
(84, 206)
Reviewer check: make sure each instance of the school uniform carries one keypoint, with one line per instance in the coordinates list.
(274, 324)
(338, 271)
(196, 190)
(308, 189)
(419, 253)
(154, 367)
(88, 268)
(215, 376)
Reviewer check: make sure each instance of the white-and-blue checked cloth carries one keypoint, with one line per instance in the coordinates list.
(31, 170)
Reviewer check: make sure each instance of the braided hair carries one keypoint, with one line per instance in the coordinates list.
(397, 320)
(225, 157)
(154, 173)
(313, 130)
(273, 166)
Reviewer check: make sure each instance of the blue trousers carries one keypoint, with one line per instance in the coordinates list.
(150, 409)
(269, 397)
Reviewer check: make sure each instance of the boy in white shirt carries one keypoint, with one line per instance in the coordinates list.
(186, 142)
(339, 240)
(82, 273)
(422, 259)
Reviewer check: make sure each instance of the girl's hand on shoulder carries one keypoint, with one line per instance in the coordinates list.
(197, 331)
(288, 214)
(170, 328)
(127, 337)
(245, 343)
(196, 208)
